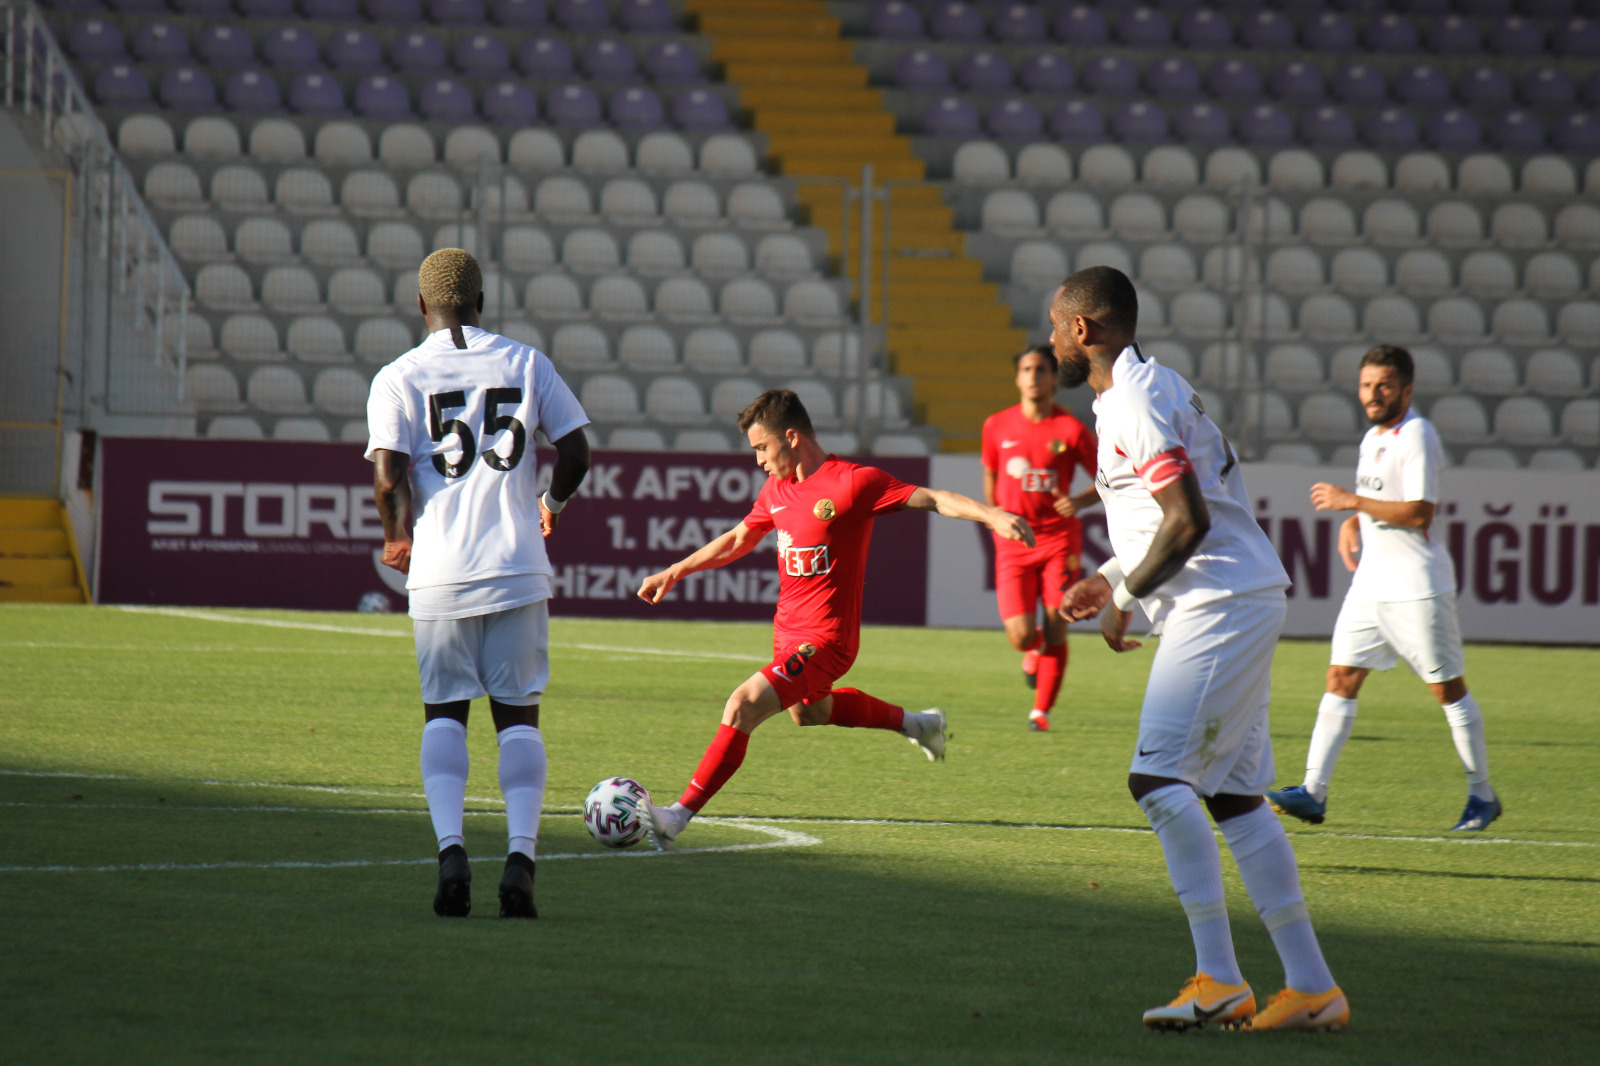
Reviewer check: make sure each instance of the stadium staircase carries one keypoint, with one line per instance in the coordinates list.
(949, 329)
(38, 561)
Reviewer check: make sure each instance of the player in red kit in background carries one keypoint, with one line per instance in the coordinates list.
(1029, 454)
(822, 509)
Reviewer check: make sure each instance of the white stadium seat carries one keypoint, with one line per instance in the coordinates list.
(1484, 174)
(1294, 366)
(777, 352)
(720, 254)
(1578, 323)
(732, 395)
(1359, 170)
(1039, 263)
(340, 392)
(277, 390)
(599, 152)
(691, 203)
(407, 144)
(783, 255)
(553, 295)
(1488, 274)
(674, 399)
(1199, 314)
(1327, 317)
(628, 200)
(728, 155)
(536, 149)
(1555, 372)
(1459, 419)
(1044, 164)
(370, 193)
(1422, 172)
(304, 191)
(1519, 226)
(330, 242)
(201, 238)
(636, 439)
(1295, 168)
(380, 340)
(1360, 271)
(233, 427)
(342, 144)
(174, 186)
(647, 348)
(357, 291)
(981, 163)
(1228, 167)
(1552, 276)
(700, 440)
(814, 302)
(1105, 253)
(751, 299)
(655, 252)
(1012, 211)
(1549, 174)
(1071, 213)
(618, 296)
(1490, 459)
(756, 204)
(1578, 226)
(212, 388)
(311, 429)
(145, 135)
(1580, 422)
(1524, 420)
(1391, 222)
(290, 289)
(1170, 166)
(224, 287)
(1167, 267)
(1172, 355)
(1107, 164)
(610, 398)
(663, 153)
(1139, 216)
(1425, 272)
(1555, 459)
(211, 138)
(905, 444)
(1325, 220)
(563, 197)
(317, 339)
(1489, 371)
(239, 188)
(590, 251)
(1393, 319)
(818, 399)
(714, 350)
(1295, 270)
(1201, 217)
(1521, 321)
(263, 240)
(250, 337)
(1328, 417)
(683, 298)
(1456, 318)
(527, 248)
(1294, 454)
(1455, 224)
(466, 145)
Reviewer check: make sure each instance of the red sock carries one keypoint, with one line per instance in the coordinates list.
(855, 709)
(1052, 667)
(717, 765)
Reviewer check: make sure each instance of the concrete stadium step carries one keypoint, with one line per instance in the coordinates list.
(919, 340)
(803, 97)
(849, 167)
(811, 75)
(756, 24)
(36, 553)
(62, 594)
(779, 50)
(770, 7)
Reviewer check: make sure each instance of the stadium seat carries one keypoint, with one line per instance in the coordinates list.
(700, 440)
(290, 289)
(674, 400)
(580, 345)
(1524, 420)
(1099, 253)
(1228, 167)
(1459, 419)
(370, 193)
(263, 240)
(1551, 275)
(1555, 372)
(1521, 321)
(720, 255)
(233, 427)
(1578, 226)
(813, 302)
(756, 205)
(618, 296)
(211, 387)
(302, 429)
(357, 291)
(1457, 319)
(277, 390)
(1455, 224)
(1107, 164)
(981, 163)
(1044, 164)
(684, 299)
(590, 250)
(1295, 367)
(1359, 271)
(1038, 263)
(1201, 217)
(340, 392)
(1011, 211)
(629, 201)
(748, 299)
(731, 396)
(1070, 213)
(1327, 221)
(647, 348)
(201, 238)
(1425, 272)
(250, 337)
(1138, 216)
(655, 252)
(1578, 323)
(1422, 172)
(1295, 270)
(1490, 459)
(224, 287)
(712, 350)
(599, 152)
(664, 153)
(1563, 459)
(777, 352)
(1489, 371)
(1168, 267)
(636, 439)
(553, 295)
(1199, 314)
(1488, 275)
(435, 196)
(1486, 174)
(211, 138)
(1327, 317)
(782, 255)
(1392, 318)
(691, 203)
(1391, 223)
(1328, 417)
(523, 332)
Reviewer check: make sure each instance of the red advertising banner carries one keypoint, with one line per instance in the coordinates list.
(294, 525)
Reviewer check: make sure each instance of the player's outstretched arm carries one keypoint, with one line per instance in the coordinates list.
(391, 487)
(734, 544)
(955, 505)
(1350, 542)
(1412, 514)
(571, 466)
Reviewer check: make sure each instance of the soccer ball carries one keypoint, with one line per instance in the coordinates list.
(611, 812)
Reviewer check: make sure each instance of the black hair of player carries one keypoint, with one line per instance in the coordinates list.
(1395, 358)
(1103, 294)
(779, 410)
(1047, 353)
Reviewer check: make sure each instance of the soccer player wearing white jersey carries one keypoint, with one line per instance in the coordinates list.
(451, 426)
(1402, 601)
(1189, 551)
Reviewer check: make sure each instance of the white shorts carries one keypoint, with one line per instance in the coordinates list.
(1204, 719)
(1425, 633)
(504, 655)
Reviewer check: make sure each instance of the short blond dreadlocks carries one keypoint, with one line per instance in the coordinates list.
(450, 279)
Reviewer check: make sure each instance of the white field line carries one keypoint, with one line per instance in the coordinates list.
(367, 631)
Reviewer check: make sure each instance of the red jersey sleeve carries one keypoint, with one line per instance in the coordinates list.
(991, 448)
(759, 520)
(1088, 452)
(881, 490)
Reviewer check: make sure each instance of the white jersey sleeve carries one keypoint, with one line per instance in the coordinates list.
(1398, 562)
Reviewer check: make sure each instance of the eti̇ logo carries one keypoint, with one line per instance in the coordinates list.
(1034, 479)
(813, 561)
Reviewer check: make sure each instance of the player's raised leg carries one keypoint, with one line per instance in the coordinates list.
(1336, 720)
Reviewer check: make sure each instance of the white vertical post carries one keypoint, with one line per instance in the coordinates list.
(865, 304)
(11, 52)
(28, 30)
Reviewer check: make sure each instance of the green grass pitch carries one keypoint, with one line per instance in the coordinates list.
(214, 850)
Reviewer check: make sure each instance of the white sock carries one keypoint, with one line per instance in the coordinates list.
(522, 774)
(1272, 877)
(1466, 729)
(444, 777)
(1195, 866)
(1336, 720)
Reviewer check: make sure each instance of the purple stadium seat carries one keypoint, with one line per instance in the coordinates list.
(1204, 28)
(1139, 122)
(583, 16)
(1267, 31)
(139, 7)
(1081, 26)
(1422, 85)
(225, 46)
(510, 103)
(331, 10)
(700, 109)
(252, 92)
(957, 22)
(120, 85)
(521, 14)
(1484, 86)
(96, 41)
(1545, 8)
(1077, 120)
(573, 107)
(672, 63)
(1111, 75)
(1516, 131)
(382, 97)
(267, 9)
(393, 12)
(1296, 83)
(418, 53)
(315, 94)
(1453, 130)
(1577, 133)
(894, 20)
(1234, 79)
(1359, 84)
(1544, 87)
(1579, 37)
(1454, 36)
(356, 51)
(457, 12)
(1422, 7)
(984, 71)
(1144, 27)
(1018, 24)
(951, 116)
(1516, 36)
(1355, 7)
(1591, 90)
(201, 8)
(1328, 127)
(161, 42)
(637, 109)
(188, 89)
(1328, 32)
(1266, 126)
(1390, 128)
(291, 48)
(1015, 120)
(446, 100)
(922, 70)
(608, 59)
(75, 7)
(647, 16)
(1048, 74)
(1173, 78)
(1391, 33)
(546, 58)
(1484, 7)
(1203, 124)
(482, 55)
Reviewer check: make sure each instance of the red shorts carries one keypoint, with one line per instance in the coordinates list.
(803, 670)
(1022, 574)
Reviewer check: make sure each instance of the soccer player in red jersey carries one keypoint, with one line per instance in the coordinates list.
(1029, 454)
(822, 509)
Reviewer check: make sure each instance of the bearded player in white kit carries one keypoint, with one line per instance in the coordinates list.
(451, 426)
(1402, 601)
(1189, 551)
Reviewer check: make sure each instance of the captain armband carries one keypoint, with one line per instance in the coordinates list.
(1164, 469)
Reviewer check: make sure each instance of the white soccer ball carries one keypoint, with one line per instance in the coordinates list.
(612, 813)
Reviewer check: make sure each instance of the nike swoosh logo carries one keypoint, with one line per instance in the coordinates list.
(1314, 1015)
(1203, 1015)
(1143, 752)
(775, 510)
(1009, 443)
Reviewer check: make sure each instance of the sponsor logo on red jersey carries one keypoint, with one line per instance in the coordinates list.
(812, 561)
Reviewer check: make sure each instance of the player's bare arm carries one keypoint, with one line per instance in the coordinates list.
(1412, 514)
(1350, 542)
(990, 480)
(736, 543)
(955, 505)
(391, 486)
(1072, 506)
(572, 465)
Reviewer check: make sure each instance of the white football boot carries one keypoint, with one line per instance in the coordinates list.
(929, 733)
(662, 825)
